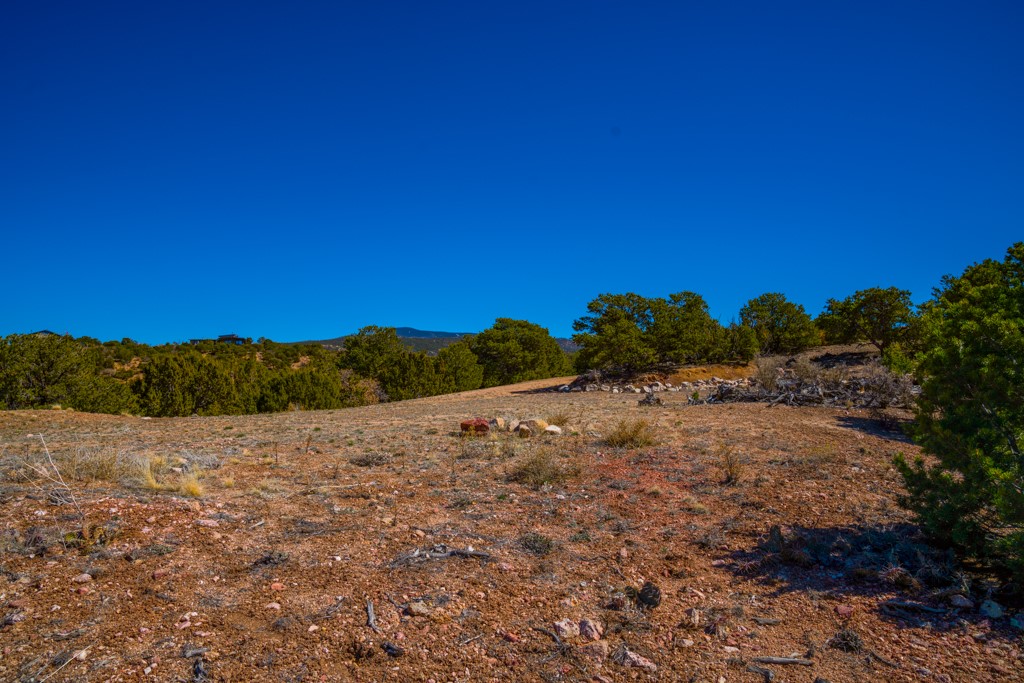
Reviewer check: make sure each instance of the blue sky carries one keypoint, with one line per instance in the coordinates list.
(300, 170)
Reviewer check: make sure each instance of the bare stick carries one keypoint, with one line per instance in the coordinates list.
(70, 659)
(783, 660)
(371, 618)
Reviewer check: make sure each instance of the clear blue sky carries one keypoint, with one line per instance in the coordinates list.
(299, 170)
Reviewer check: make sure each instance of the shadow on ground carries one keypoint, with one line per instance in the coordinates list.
(892, 431)
(912, 580)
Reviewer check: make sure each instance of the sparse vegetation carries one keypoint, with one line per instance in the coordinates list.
(536, 543)
(543, 466)
(631, 434)
(732, 464)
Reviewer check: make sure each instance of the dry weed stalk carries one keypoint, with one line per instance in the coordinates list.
(56, 478)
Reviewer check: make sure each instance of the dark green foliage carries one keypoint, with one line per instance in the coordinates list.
(781, 326)
(46, 370)
(879, 316)
(380, 354)
(459, 368)
(517, 351)
(184, 384)
(631, 332)
(970, 414)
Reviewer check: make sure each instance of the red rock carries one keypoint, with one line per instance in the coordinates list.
(477, 425)
(277, 586)
(844, 611)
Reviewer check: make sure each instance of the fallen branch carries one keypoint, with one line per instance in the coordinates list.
(371, 618)
(883, 660)
(783, 660)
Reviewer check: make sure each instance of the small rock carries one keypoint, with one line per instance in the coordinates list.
(524, 432)
(82, 578)
(161, 573)
(567, 628)
(553, 429)
(991, 609)
(685, 642)
(277, 586)
(497, 424)
(508, 636)
(626, 657)
(418, 609)
(691, 617)
(844, 611)
(961, 601)
(391, 649)
(730, 649)
(591, 629)
(272, 605)
(623, 553)
(535, 426)
(211, 523)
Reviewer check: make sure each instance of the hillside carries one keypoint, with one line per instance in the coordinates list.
(306, 519)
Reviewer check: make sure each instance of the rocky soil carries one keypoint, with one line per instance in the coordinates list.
(746, 543)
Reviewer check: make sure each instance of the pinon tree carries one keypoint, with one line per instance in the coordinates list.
(970, 414)
(517, 351)
(781, 326)
(879, 316)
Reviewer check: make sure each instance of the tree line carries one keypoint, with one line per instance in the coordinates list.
(211, 378)
(620, 331)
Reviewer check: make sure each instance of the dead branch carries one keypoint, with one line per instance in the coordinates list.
(784, 660)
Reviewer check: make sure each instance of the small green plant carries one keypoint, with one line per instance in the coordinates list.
(536, 543)
(631, 434)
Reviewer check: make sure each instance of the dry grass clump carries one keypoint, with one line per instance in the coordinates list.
(370, 459)
(631, 434)
(544, 467)
(559, 419)
(732, 465)
(766, 372)
(190, 486)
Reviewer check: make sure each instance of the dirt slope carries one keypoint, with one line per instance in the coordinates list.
(305, 517)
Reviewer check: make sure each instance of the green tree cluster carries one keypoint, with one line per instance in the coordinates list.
(970, 415)
(880, 316)
(518, 351)
(780, 325)
(633, 332)
(47, 369)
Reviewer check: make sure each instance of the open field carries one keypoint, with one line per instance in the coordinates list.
(248, 548)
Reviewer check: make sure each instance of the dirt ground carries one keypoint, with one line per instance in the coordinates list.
(250, 548)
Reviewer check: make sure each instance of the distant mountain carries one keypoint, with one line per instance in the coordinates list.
(413, 333)
(429, 341)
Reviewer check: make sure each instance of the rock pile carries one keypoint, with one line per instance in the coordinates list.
(522, 428)
(703, 386)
